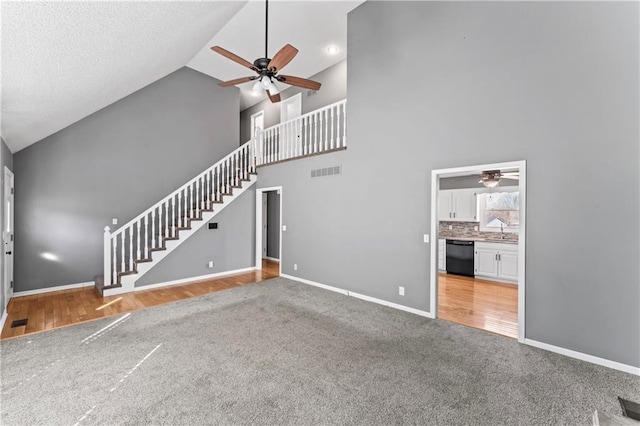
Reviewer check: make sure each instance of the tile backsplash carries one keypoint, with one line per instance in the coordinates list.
(465, 230)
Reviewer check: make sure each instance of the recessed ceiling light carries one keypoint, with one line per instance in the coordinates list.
(333, 50)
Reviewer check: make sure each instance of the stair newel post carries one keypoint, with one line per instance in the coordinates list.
(106, 266)
(344, 123)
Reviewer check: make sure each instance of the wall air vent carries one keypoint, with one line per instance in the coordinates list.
(327, 171)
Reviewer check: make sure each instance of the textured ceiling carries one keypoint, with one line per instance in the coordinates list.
(62, 61)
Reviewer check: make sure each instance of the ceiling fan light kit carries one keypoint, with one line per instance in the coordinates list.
(267, 69)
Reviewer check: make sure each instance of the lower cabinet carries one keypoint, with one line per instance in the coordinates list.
(442, 254)
(496, 261)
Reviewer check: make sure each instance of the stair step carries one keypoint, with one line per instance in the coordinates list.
(100, 287)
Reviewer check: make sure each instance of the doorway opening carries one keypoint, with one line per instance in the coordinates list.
(478, 220)
(7, 236)
(291, 108)
(269, 227)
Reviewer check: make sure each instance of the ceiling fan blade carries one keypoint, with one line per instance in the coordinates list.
(274, 98)
(236, 81)
(299, 82)
(282, 58)
(233, 57)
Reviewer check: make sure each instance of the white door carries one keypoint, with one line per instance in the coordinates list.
(291, 108)
(7, 235)
(264, 225)
(486, 262)
(257, 125)
(508, 265)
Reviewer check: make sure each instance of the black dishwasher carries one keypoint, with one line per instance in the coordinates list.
(460, 257)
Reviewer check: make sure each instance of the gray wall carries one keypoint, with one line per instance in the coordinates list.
(552, 83)
(273, 224)
(114, 164)
(6, 159)
(334, 89)
(230, 247)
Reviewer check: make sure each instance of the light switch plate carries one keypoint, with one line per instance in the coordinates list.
(426, 238)
(114, 221)
(401, 291)
(284, 227)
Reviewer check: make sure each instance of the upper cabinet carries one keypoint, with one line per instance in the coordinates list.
(457, 205)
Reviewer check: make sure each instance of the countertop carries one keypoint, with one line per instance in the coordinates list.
(481, 239)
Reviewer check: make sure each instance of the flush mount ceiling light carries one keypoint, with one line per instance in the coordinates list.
(267, 69)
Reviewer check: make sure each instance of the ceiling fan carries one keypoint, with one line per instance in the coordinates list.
(267, 68)
(491, 178)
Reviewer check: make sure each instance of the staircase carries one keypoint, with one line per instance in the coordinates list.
(133, 249)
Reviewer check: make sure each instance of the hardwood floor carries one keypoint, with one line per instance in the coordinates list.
(482, 304)
(47, 311)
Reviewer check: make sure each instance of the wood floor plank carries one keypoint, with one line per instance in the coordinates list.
(477, 303)
(66, 307)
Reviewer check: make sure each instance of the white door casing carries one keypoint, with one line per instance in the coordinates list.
(265, 219)
(259, 219)
(7, 235)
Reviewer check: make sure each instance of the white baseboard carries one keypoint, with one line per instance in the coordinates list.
(272, 259)
(584, 357)
(192, 279)
(50, 289)
(2, 321)
(361, 296)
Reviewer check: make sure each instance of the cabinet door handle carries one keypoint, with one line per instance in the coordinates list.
(454, 214)
(499, 257)
(496, 257)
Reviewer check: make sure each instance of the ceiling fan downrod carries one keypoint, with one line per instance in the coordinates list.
(266, 28)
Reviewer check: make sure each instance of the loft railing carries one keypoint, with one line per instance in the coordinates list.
(317, 132)
(147, 232)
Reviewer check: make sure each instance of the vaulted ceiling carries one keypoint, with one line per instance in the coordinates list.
(62, 61)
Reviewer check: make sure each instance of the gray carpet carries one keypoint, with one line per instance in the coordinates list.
(280, 352)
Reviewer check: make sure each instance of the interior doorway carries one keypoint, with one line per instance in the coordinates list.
(291, 108)
(7, 236)
(478, 221)
(268, 225)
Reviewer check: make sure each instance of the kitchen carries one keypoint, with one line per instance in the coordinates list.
(478, 228)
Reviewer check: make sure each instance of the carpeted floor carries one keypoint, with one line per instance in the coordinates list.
(280, 352)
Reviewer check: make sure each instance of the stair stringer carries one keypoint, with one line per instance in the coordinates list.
(128, 281)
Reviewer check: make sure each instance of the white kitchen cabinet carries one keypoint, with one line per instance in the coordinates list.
(457, 205)
(442, 254)
(496, 261)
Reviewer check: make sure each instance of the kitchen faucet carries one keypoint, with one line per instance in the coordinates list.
(502, 234)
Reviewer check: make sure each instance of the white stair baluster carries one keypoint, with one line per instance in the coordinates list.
(197, 199)
(106, 265)
(172, 227)
(138, 238)
(122, 251)
(315, 133)
(131, 249)
(147, 254)
(166, 219)
(153, 228)
(322, 135)
(332, 129)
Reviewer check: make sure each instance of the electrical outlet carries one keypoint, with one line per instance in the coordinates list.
(401, 291)
(475, 228)
(450, 227)
(211, 264)
(295, 266)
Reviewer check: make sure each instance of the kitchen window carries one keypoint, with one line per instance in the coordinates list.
(499, 211)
